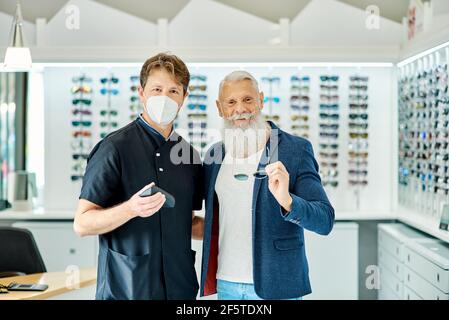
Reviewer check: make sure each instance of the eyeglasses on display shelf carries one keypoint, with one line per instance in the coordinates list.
(358, 134)
(81, 122)
(135, 106)
(271, 84)
(329, 126)
(300, 105)
(423, 137)
(108, 113)
(197, 112)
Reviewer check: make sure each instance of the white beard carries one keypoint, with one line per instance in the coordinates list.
(246, 141)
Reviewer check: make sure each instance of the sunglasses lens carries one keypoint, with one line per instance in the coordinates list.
(241, 176)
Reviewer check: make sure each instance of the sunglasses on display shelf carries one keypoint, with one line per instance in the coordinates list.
(328, 135)
(108, 124)
(334, 116)
(83, 112)
(198, 77)
(271, 79)
(333, 126)
(358, 106)
(86, 102)
(77, 123)
(330, 183)
(82, 79)
(80, 166)
(300, 127)
(81, 89)
(330, 173)
(111, 80)
(201, 125)
(353, 125)
(197, 115)
(358, 87)
(328, 87)
(273, 99)
(134, 78)
(294, 98)
(300, 134)
(296, 78)
(354, 154)
(329, 78)
(358, 183)
(358, 163)
(358, 172)
(329, 106)
(299, 117)
(358, 145)
(193, 106)
(333, 146)
(82, 134)
(197, 97)
(202, 87)
(76, 177)
(197, 134)
(300, 88)
(199, 144)
(134, 98)
(355, 135)
(354, 116)
(328, 164)
(272, 117)
(81, 144)
(105, 91)
(357, 78)
(358, 97)
(298, 107)
(326, 97)
(333, 155)
(109, 112)
(78, 156)
(135, 107)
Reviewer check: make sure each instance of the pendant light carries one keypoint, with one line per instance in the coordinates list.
(18, 56)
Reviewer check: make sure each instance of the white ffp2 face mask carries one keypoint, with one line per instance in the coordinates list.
(161, 109)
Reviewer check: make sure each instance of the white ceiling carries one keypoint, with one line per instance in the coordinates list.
(151, 10)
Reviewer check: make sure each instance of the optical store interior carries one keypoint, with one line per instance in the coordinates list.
(365, 82)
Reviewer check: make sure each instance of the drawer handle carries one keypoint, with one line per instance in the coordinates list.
(438, 277)
(72, 251)
(397, 269)
(397, 287)
(397, 250)
(408, 277)
(408, 258)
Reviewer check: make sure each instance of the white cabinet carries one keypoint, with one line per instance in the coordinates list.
(60, 247)
(333, 263)
(413, 265)
(391, 255)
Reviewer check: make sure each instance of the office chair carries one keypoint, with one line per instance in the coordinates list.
(19, 254)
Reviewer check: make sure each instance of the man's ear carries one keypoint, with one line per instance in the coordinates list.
(262, 97)
(141, 94)
(220, 112)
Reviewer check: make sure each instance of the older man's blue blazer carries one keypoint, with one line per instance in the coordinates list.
(280, 268)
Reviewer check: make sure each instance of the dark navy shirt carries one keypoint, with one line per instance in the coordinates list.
(146, 258)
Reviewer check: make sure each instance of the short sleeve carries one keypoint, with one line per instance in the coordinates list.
(102, 179)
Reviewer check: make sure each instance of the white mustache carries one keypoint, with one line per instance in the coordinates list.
(242, 116)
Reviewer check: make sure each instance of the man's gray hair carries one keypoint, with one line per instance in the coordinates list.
(239, 75)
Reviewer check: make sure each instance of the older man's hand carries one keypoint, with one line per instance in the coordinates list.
(278, 180)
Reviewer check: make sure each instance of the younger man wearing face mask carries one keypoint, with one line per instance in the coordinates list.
(145, 248)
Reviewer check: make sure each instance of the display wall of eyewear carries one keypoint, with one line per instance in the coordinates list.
(329, 116)
(299, 105)
(423, 119)
(196, 112)
(358, 134)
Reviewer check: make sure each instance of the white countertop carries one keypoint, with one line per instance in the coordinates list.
(37, 214)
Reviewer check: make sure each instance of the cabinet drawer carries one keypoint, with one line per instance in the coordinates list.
(392, 245)
(409, 294)
(388, 280)
(391, 263)
(427, 269)
(422, 287)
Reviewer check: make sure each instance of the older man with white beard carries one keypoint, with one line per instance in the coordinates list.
(262, 190)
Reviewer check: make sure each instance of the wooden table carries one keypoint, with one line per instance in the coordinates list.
(59, 283)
